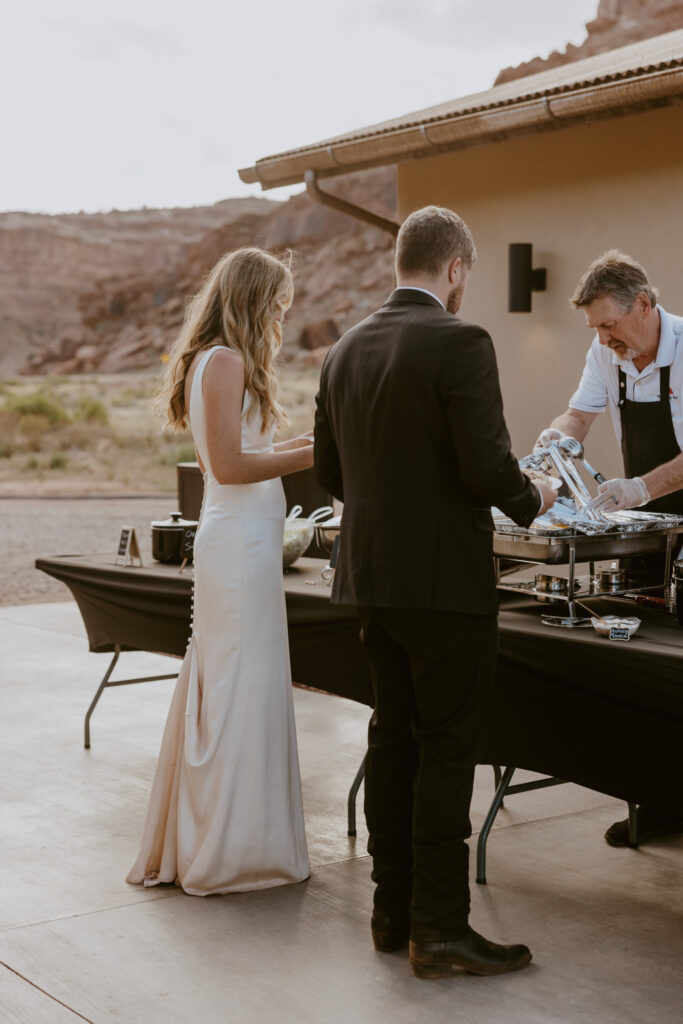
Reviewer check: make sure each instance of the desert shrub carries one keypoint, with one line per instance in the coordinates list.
(178, 453)
(80, 435)
(8, 424)
(91, 410)
(31, 463)
(131, 395)
(38, 403)
(6, 450)
(58, 461)
(33, 427)
(185, 453)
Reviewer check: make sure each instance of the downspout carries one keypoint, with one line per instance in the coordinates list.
(343, 206)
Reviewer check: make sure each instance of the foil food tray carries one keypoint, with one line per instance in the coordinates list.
(553, 546)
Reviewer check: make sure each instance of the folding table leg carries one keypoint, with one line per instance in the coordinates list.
(488, 822)
(351, 804)
(105, 680)
(497, 778)
(633, 825)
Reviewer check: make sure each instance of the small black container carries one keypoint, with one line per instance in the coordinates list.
(173, 539)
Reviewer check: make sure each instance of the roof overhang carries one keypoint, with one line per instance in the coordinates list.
(634, 78)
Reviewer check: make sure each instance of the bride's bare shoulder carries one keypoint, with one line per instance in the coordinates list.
(225, 369)
(223, 362)
(226, 360)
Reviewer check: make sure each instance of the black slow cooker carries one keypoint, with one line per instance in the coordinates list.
(173, 539)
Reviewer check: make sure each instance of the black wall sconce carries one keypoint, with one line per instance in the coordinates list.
(522, 279)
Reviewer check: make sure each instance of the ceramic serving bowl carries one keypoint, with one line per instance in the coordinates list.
(603, 626)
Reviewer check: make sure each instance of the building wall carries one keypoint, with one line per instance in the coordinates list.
(572, 193)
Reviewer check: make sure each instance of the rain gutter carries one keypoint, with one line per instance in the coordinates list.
(493, 121)
(318, 195)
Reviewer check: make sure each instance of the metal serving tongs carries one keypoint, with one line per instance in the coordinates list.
(568, 472)
(555, 457)
(574, 449)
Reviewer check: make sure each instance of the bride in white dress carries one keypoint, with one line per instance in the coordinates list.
(225, 812)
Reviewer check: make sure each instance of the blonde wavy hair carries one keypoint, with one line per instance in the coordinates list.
(241, 306)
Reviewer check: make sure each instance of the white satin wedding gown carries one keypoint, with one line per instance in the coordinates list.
(225, 812)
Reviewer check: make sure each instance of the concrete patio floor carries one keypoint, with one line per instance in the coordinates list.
(77, 943)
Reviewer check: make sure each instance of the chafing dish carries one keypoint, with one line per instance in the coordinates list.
(553, 545)
(572, 532)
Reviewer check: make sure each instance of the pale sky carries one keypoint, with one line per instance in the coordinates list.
(158, 102)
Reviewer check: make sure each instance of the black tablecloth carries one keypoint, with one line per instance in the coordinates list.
(148, 609)
(604, 714)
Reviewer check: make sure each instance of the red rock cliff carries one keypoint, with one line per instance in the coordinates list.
(617, 23)
(107, 291)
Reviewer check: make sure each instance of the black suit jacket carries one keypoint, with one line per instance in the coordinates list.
(410, 435)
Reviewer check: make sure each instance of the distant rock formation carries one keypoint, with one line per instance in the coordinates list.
(107, 292)
(319, 334)
(617, 23)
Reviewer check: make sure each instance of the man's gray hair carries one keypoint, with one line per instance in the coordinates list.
(430, 238)
(616, 275)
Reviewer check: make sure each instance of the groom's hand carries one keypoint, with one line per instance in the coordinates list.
(548, 496)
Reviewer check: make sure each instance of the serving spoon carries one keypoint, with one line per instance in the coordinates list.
(574, 449)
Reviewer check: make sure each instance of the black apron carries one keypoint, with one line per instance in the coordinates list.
(648, 440)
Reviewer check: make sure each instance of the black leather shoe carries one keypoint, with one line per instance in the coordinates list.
(388, 933)
(651, 825)
(473, 954)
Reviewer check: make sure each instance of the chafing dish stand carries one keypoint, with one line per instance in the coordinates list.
(538, 547)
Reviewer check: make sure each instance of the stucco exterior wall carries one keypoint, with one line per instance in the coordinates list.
(573, 194)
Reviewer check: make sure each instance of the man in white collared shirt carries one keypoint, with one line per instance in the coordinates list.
(635, 367)
(599, 387)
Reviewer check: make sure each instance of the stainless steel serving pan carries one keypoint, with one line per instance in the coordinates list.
(555, 550)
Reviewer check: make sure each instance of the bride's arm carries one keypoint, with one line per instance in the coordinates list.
(223, 393)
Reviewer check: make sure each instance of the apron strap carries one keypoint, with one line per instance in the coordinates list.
(664, 384)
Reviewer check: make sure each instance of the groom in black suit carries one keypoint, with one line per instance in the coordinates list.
(410, 435)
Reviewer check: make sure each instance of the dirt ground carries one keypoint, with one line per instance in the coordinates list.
(35, 527)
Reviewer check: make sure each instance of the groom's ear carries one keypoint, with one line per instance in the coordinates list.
(455, 270)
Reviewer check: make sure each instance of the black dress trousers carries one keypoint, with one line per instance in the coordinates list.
(432, 675)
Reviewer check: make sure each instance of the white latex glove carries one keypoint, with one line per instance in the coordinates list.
(618, 494)
(546, 436)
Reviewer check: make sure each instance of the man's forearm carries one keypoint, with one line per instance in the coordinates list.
(574, 423)
(666, 478)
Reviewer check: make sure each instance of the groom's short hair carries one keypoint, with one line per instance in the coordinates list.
(431, 237)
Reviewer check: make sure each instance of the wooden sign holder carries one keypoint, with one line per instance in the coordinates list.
(128, 552)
